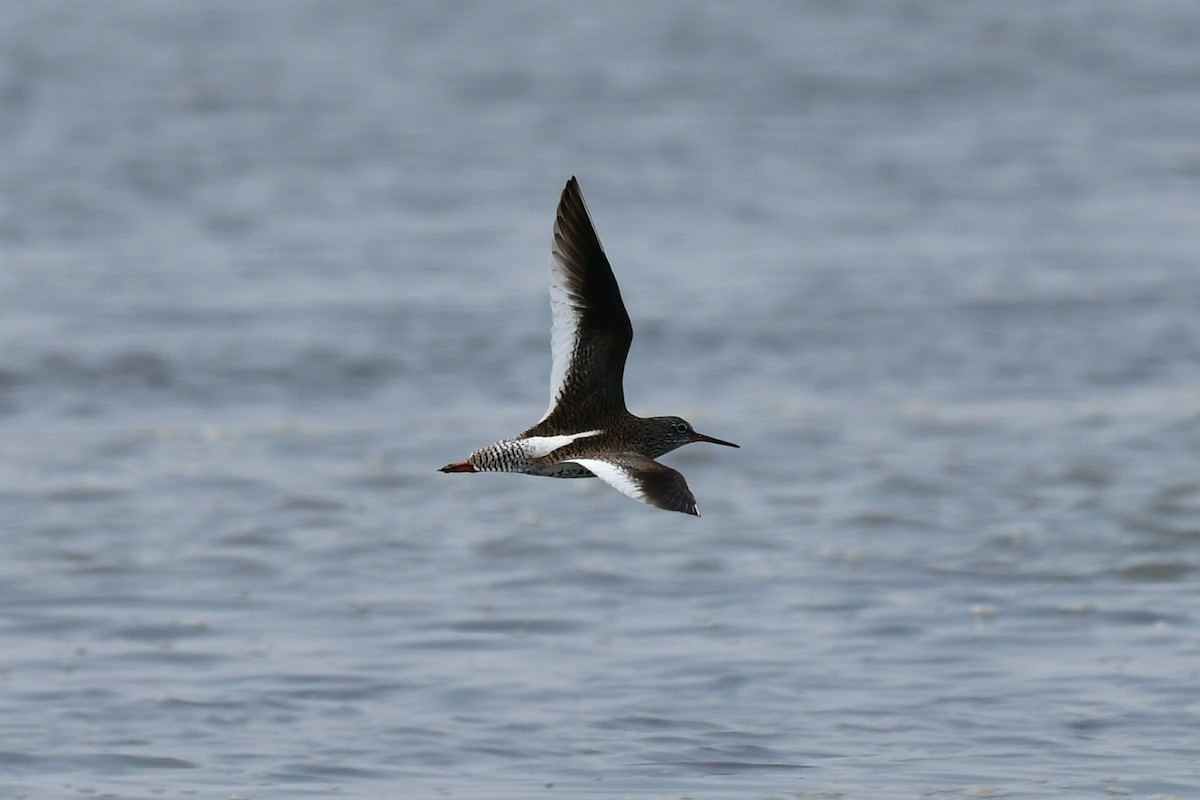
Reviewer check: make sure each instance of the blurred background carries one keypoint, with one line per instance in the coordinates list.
(264, 267)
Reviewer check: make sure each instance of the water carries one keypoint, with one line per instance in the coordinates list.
(265, 267)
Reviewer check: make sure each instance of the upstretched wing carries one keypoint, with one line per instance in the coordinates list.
(590, 333)
(643, 479)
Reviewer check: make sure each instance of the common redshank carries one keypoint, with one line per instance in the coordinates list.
(587, 431)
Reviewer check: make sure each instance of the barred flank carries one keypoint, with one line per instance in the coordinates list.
(504, 456)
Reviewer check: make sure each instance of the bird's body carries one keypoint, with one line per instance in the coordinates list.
(587, 430)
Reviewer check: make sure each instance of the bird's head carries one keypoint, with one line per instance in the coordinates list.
(672, 432)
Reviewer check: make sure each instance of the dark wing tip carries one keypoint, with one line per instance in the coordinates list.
(665, 488)
(685, 507)
(572, 218)
(585, 269)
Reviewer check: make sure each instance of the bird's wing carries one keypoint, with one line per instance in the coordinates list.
(590, 333)
(643, 479)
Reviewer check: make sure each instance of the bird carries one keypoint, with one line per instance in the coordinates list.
(587, 431)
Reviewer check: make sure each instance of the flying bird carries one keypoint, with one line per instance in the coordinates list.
(587, 431)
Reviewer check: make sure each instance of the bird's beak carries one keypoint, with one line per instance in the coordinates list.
(700, 437)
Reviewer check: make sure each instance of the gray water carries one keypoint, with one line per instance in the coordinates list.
(264, 267)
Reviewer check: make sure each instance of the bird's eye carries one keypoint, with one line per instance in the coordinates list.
(682, 427)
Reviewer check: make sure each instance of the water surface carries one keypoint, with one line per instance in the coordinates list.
(265, 267)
